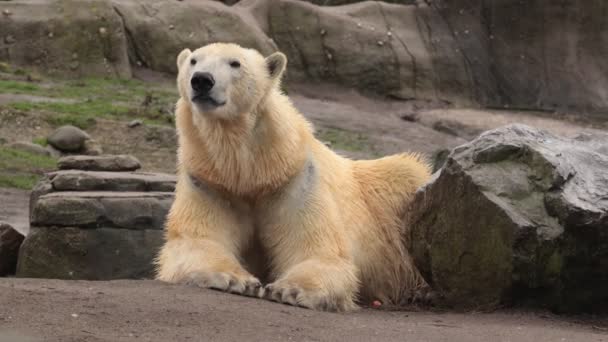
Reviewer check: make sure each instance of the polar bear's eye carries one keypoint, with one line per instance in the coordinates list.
(192, 61)
(235, 64)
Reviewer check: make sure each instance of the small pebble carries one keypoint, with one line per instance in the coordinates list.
(135, 123)
(103, 31)
(75, 315)
(7, 12)
(171, 27)
(380, 43)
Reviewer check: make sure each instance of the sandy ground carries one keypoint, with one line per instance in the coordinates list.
(55, 310)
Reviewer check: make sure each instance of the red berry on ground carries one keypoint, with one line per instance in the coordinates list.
(376, 304)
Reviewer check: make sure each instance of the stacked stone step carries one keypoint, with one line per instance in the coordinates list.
(96, 218)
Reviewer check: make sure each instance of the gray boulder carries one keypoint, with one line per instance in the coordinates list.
(77, 180)
(99, 163)
(129, 210)
(68, 139)
(92, 254)
(10, 241)
(517, 216)
(30, 147)
(96, 224)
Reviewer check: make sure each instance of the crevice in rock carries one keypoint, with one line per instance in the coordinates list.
(473, 86)
(292, 42)
(395, 55)
(331, 64)
(132, 49)
(429, 45)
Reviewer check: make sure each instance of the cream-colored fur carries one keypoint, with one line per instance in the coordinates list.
(259, 198)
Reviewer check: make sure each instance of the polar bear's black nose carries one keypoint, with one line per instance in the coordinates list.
(202, 82)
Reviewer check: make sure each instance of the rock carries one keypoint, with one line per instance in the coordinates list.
(135, 123)
(10, 241)
(53, 152)
(156, 46)
(455, 128)
(161, 136)
(439, 158)
(47, 33)
(410, 117)
(30, 147)
(345, 2)
(129, 210)
(517, 216)
(227, 2)
(75, 180)
(400, 65)
(516, 61)
(93, 254)
(43, 187)
(92, 148)
(68, 138)
(99, 163)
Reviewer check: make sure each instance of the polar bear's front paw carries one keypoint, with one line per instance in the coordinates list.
(245, 285)
(313, 299)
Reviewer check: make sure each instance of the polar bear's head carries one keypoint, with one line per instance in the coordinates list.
(226, 81)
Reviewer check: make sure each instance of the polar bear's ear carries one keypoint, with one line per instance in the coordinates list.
(182, 57)
(276, 64)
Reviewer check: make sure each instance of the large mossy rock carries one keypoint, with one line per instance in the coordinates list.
(517, 216)
(63, 37)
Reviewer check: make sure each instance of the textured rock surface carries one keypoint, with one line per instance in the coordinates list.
(96, 224)
(99, 163)
(158, 30)
(517, 215)
(76, 180)
(10, 241)
(68, 139)
(370, 46)
(542, 55)
(65, 36)
(93, 254)
(134, 210)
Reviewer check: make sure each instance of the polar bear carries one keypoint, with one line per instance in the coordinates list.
(260, 201)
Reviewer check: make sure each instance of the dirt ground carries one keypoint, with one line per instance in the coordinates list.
(55, 310)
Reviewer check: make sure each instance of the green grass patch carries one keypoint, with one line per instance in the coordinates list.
(19, 181)
(18, 87)
(40, 141)
(345, 140)
(21, 169)
(80, 102)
